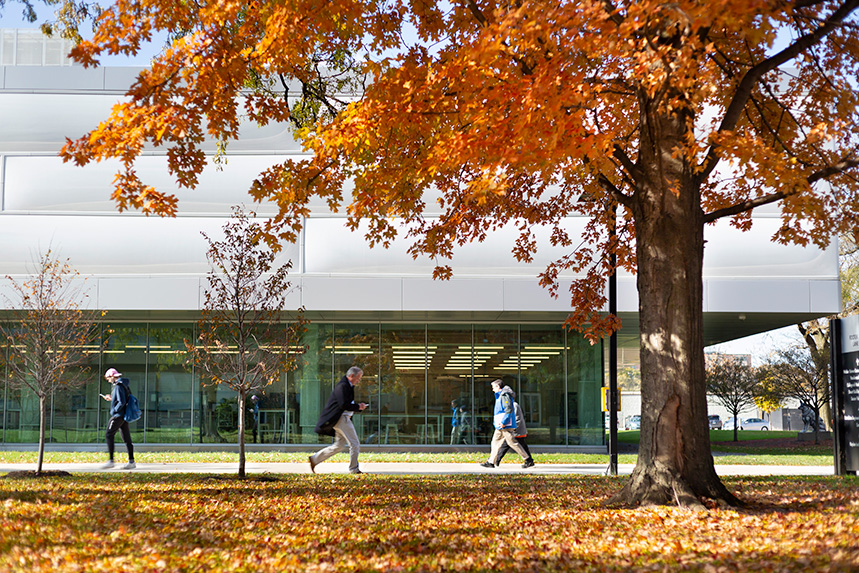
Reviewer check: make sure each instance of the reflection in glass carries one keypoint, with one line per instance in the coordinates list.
(358, 345)
(167, 407)
(542, 383)
(418, 379)
(495, 358)
(72, 420)
(584, 379)
(450, 391)
(403, 384)
(314, 381)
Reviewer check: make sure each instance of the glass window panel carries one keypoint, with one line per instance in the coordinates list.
(219, 414)
(266, 421)
(55, 52)
(22, 415)
(416, 377)
(495, 357)
(30, 46)
(4, 392)
(19, 407)
(216, 408)
(584, 379)
(314, 379)
(405, 355)
(542, 394)
(7, 47)
(449, 384)
(358, 345)
(167, 408)
(72, 420)
(125, 350)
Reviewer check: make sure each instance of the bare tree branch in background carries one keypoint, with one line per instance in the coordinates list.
(51, 336)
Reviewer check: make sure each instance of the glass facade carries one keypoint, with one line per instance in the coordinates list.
(426, 383)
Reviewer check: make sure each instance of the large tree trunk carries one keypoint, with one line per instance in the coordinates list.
(675, 463)
(816, 335)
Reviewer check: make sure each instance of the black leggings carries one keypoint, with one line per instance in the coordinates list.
(118, 423)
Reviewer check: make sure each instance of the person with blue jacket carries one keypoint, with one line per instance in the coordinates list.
(504, 420)
(521, 435)
(118, 399)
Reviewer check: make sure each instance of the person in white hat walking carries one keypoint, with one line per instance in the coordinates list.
(118, 399)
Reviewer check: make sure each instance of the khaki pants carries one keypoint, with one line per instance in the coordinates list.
(505, 435)
(344, 436)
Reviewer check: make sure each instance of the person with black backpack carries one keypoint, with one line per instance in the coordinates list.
(119, 399)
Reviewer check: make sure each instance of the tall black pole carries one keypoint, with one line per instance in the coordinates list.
(835, 372)
(612, 346)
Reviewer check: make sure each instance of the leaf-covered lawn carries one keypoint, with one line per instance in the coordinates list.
(808, 456)
(175, 522)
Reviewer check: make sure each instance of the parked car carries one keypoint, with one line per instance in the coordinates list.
(633, 422)
(715, 422)
(754, 424)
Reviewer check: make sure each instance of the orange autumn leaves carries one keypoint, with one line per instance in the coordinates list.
(440, 523)
(478, 115)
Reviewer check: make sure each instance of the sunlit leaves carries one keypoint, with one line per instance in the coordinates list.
(446, 523)
(508, 114)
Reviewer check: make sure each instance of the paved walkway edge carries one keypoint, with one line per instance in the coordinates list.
(409, 469)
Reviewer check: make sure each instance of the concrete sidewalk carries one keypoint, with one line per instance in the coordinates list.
(408, 469)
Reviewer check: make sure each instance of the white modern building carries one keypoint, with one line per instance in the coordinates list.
(373, 307)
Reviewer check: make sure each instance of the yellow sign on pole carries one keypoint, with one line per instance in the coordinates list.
(604, 398)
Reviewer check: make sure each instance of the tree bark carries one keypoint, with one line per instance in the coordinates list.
(241, 398)
(675, 463)
(43, 411)
(816, 336)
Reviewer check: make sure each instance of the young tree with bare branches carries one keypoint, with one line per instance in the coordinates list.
(245, 339)
(49, 334)
(795, 373)
(732, 382)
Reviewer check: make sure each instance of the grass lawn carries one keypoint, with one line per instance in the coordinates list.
(753, 448)
(175, 522)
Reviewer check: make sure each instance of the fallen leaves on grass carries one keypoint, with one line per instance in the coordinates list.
(152, 522)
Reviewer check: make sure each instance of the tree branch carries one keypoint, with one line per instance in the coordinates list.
(824, 173)
(754, 75)
(744, 206)
(836, 169)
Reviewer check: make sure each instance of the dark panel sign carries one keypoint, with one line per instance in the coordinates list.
(845, 379)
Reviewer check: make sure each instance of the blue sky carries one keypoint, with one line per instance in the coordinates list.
(11, 17)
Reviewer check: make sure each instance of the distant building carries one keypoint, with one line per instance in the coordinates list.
(32, 48)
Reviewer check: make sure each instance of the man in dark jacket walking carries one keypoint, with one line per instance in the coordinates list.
(336, 420)
(118, 400)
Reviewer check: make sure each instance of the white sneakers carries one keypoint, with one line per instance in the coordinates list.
(111, 464)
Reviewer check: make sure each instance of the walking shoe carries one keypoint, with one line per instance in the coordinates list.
(312, 464)
(355, 472)
(129, 466)
(529, 463)
(487, 465)
(108, 465)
